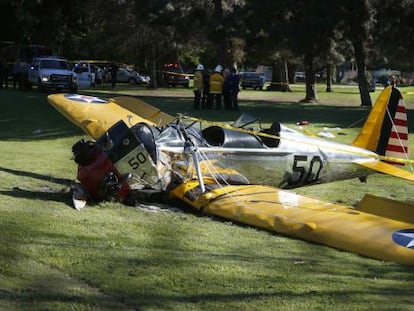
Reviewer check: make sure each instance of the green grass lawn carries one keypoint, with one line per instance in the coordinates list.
(114, 257)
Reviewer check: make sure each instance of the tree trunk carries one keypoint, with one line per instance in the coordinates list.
(291, 73)
(329, 78)
(279, 77)
(219, 37)
(362, 80)
(311, 93)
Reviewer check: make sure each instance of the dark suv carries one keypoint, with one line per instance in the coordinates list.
(255, 80)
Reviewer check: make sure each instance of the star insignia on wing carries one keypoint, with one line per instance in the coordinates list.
(86, 98)
(404, 238)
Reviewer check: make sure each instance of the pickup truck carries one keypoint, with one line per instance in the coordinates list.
(52, 72)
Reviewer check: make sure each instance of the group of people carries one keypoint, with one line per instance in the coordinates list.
(4, 73)
(18, 73)
(211, 90)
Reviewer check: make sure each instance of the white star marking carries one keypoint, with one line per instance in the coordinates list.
(85, 98)
(408, 235)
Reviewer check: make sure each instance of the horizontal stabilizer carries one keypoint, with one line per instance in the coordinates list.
(387, 208)
(386, 168)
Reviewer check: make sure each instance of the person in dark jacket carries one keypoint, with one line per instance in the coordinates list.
(235, 88)
(206, 88)
(114, 71)
(3, 73)
(18, 72)
(227, 90)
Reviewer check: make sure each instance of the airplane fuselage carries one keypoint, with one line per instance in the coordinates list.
(298, 160)
(291, 160)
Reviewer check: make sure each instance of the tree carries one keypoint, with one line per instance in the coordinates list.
(311, 32)
(357, 24)
(48, 22)
(265, 39)
(149, 32)
(393, 33)
(303, 31)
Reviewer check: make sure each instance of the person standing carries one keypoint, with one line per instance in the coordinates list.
(3, 73)
(6, 74)
(206, 90)
(17, 72)
(216, 88)
(235, 84)
(114, 72)
(198, 85)
(227, 89)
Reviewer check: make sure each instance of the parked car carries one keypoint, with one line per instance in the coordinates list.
(300, 76)
(174, 75)
(255, 80)
(85, 73)
(129, 76)
(52, 72)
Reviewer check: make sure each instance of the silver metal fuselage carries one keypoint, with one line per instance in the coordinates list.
(297, 161)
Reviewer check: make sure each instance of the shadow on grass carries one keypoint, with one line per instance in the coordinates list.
(61, 181)
(44, 193)
(268, 111)
(28, 116)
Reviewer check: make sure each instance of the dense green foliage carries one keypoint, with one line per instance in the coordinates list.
(312, 35)
(142, 31)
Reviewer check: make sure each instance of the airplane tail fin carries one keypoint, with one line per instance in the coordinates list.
(386, 129)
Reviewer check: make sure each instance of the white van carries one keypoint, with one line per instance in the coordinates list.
(85, 73)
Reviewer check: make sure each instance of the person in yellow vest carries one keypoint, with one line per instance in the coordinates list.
(198, 85)
(216, 88)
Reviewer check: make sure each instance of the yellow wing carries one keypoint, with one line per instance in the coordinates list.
(144, 110)
(376, 236)
(92, 114)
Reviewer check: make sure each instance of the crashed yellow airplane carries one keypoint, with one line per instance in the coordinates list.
(138, 148)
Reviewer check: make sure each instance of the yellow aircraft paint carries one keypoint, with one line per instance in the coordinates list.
(388, 169)
(370, 133)
(387, 208)
(144, 110)
(306, 218)
(379, 230)
(92, 114)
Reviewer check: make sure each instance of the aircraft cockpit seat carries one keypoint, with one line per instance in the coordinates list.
(273, 130)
